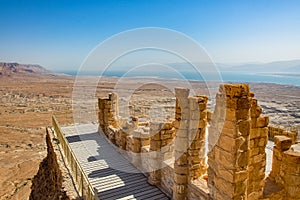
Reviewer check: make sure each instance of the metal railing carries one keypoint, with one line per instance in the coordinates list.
(84, 186)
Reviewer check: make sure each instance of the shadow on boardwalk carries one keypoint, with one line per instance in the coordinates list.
(109, 172)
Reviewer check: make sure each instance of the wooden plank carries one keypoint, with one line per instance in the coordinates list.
(118, 183)
(109, 171)
(125, 191)
(148, 195)
(141, 194)
(110, 179)
(127, 182)
(109, 163)
(111, 183)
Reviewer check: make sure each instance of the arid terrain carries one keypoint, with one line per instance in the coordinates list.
(28, 101)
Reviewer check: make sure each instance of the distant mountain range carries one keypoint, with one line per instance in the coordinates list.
(291, 66)
(16, 69)
(287, 67)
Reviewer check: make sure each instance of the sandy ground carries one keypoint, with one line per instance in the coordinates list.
(27, 104)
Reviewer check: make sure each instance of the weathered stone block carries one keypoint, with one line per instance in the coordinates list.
(262, 121)
(282, 142)
(259, 158)
(232, 103)
(242, 114)
(235, 90)
(255, 133)
(262, 142)
(182, 92)
(231, 115)
(244, 127)
(180, 179)
(229, 144)
(253, 151)
(292, 157)
(242, 159)
(226, 158)
(244, 103)
(231, 132)
(225, 187)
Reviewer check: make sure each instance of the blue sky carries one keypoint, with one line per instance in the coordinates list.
(61, 33)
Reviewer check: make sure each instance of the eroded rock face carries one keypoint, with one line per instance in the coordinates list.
(48, 182)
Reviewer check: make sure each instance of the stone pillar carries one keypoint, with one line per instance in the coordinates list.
(286, 167)
(291, 174)
(196, 137)
(161, 149)
(167, 135)
(257, 154)
(181, 144)
(228, 157)
(108, 112)
(114, 105)
(101, 106)
(140, 138)
(155, 154)
(282, 143)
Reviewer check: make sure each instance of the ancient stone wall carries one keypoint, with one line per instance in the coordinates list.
(53, 180)
(161, 150)
(174, 152)
(108, 113)
(228, 158)
(274, 131)
(190, 161)
(167, 177)
(257, 154)
(286, 167)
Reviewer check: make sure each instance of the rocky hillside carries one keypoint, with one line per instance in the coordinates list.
(15, 69)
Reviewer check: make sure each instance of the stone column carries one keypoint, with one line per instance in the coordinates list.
(108, 112)
(181, 144)
(161, 149)
(286, 167)
(282, 143)
(155, 154)
(196, 137)
(101, 106)
(228, 158)
(257, 154)
(167, 135)
(114, 105)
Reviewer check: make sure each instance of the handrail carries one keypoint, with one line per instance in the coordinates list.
(84, 186)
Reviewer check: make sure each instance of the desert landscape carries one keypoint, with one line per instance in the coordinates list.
(29, 97)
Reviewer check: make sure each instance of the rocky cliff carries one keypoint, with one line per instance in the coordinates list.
(52, 180)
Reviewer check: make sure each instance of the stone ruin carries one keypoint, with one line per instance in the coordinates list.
(174, 156)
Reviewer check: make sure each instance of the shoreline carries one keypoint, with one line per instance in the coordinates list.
(225, 76)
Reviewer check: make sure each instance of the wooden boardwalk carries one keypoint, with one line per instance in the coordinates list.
(108, 171)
